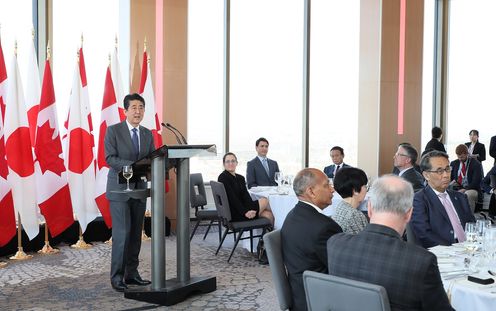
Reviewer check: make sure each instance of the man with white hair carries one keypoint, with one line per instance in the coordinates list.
(378, 255)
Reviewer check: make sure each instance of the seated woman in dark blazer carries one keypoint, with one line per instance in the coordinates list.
(241, 205)
(351, 184)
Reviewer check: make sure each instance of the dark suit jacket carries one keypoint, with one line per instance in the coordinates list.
(303, 237)
(414, 177)
(329, 170)
(486, 181)
(474, 173)
(492, 148)
(119, 151)
(377, 255)
(256, 174)
(479, 149)
(431, 223)
(239, 199)
(434, 144)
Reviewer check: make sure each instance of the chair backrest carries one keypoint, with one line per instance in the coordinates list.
(328, 292)
(197, 198)
(410, 235)
(272, 243)
(221, 201)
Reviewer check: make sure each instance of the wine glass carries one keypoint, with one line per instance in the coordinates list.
(127, 172)
(471, 235)
(278, 176)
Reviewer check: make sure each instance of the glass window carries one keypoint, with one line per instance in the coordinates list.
(334, 77)
(16, 24)
(471, 74)
(427, 73)
(71, 19)
(205, 82)
(266, 80)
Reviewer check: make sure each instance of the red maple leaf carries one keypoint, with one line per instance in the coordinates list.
(48, 150)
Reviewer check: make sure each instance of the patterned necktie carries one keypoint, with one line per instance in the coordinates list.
(134, 138)
(266, 166)
(455, 223)
(462, 174)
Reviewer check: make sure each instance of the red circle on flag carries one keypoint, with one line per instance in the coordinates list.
(80, 150)
(19, 154)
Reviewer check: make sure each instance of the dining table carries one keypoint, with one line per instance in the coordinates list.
(456, 264)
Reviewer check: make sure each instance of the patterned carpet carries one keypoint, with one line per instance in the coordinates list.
(79, 279)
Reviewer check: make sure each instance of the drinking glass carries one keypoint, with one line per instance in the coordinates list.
(471, 235)
(278, 177)
(482, 225)
(127, 172)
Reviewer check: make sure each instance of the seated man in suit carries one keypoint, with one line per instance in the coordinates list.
(466, 175)
(305, 231)
(439, 215)
(337, 156)
(435, 143)
(476, 149)
(261, 170)
(404, 160)
(492, 148)
(488, 185)
(379, 256)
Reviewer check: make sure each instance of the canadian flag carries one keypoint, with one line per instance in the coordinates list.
(150, 119)
(53, 194)
(7, 215)
(19, 154)
(110, 115)
(79, 158)
(115, 71)
(32, 92)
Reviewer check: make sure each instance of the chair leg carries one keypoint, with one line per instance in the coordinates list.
(208, 229)
(235, 243)
(222, 241)
(220, 228)
(251, 241)
(194, 229)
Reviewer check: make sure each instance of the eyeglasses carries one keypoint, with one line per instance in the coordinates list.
(402, 154)
(230, 161)
(440, 171)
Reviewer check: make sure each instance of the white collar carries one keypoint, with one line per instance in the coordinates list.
(130, 127)
(312, 205)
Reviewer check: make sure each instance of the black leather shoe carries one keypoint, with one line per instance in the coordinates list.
(138, 281)
(119, 286)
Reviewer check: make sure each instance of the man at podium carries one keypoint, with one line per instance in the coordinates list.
(126, 142)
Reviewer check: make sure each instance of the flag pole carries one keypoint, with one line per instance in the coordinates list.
(20, 255)
(47, 248)
(81, 244)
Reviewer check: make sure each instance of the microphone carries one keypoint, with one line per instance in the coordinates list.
(175, 135)
(177, 131)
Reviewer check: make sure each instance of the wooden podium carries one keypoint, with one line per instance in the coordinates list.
(171, 291)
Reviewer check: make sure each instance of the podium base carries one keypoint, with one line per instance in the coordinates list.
(174, 291)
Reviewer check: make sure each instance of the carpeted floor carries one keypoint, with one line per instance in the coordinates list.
(79, 279)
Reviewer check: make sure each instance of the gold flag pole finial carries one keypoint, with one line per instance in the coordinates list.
(110, 60)
(116, 42)
(78, 56)
(15, 48)
(32, 33)
(144, 44)
(82, 40)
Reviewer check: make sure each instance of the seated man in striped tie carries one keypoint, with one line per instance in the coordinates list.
(439, 215)
(466, 175)
(261, 170)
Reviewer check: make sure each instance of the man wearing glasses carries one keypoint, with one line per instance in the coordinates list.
(439, 215)
(404, 160)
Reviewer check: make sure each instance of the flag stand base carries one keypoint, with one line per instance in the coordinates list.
(81, 244)
(174, 291)
(47, 249)
(21, 255)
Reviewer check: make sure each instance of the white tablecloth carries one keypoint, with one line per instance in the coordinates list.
(465, 295)
(281, 204)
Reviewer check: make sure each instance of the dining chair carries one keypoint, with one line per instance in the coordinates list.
(235, 227)
(328, 292)
(272, 242)
(198, 198)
